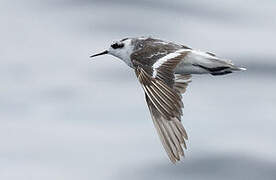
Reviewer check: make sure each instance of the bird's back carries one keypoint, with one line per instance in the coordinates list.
(148, 50)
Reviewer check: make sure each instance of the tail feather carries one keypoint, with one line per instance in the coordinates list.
(209, 63)
(227, 69)
(221, 70)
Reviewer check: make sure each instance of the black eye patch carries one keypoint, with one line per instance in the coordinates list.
(116, 45)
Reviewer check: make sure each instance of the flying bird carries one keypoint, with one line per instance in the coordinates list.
(164, 70)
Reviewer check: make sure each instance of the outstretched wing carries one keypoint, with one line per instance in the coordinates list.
(163, 95)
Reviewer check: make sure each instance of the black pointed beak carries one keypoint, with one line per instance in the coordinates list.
(102, 53)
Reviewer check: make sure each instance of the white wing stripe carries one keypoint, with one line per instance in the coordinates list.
(164, 59)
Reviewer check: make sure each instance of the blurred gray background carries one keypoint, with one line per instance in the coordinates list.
(65, 116)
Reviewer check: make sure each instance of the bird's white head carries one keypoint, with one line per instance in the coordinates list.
(121, 49)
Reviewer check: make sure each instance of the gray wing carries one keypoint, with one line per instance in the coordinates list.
(181, 82)
(163, 96)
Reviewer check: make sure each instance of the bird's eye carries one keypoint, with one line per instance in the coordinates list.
(117, 45)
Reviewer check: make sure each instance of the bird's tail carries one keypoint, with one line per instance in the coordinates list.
(220, 67)
(208, 63)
